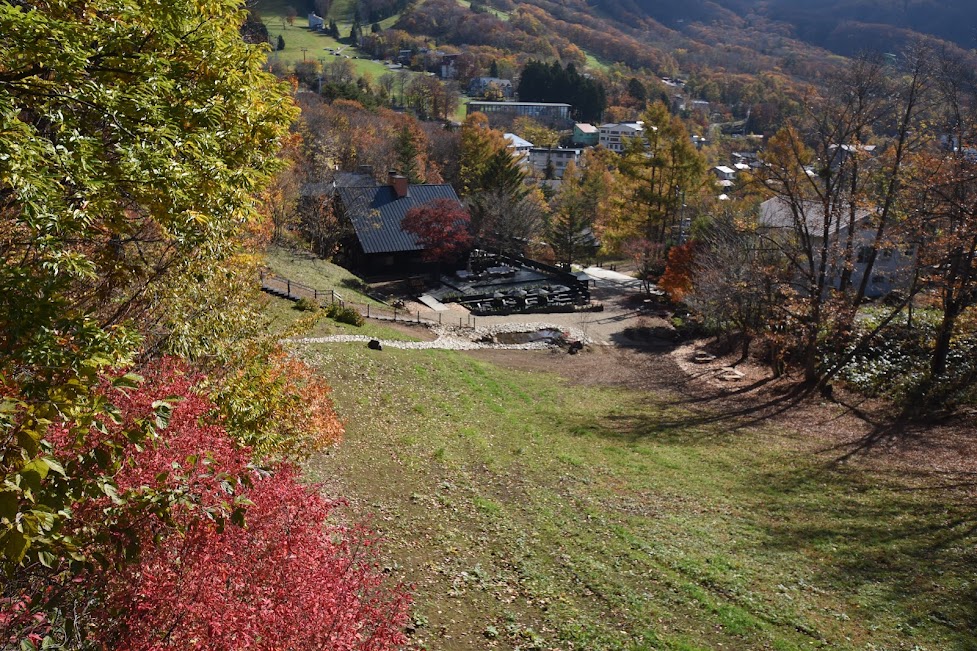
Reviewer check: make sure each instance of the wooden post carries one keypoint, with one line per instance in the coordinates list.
(288, 285)
(395, 314)
(315, 295)
(368, 310)
(439, 318)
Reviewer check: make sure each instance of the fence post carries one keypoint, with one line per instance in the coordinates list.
(288, 285)
(418, 316)
(395, 314)
(439, 318)
(473, 323)
(315, 295)
(368, 310)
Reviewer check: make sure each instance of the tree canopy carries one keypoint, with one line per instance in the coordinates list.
(137, 142)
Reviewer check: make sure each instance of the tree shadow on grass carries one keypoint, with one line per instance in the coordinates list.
(905, 554)
(686, 420)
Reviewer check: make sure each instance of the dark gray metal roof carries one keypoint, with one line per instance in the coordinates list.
(376, 214)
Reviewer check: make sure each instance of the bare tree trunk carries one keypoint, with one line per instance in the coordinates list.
(942, 349)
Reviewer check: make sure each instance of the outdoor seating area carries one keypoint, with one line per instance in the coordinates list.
(497, 284)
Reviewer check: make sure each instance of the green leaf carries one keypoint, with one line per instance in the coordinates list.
(15, 545)
(8, 505)
(55, 466)
(39, 465)
(111, 492)
(128, 381)
(30, 481)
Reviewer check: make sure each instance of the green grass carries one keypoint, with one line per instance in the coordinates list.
(285, 319)
(307, 269)
(316, 45)
(543, 515)
(594, 63)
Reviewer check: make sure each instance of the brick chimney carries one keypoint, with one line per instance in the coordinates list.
(398, 183)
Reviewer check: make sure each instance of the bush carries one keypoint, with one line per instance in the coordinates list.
(306, 305)
(344, 314)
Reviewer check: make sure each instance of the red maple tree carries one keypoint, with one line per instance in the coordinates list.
(442, 228)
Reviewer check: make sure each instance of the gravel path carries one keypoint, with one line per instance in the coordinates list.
(454, 338)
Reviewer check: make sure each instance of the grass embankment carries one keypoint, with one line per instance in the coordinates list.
(312, 271)
(309, 270)
(533, 514)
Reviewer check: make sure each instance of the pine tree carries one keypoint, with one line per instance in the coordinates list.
(281, 42)
(406, 149)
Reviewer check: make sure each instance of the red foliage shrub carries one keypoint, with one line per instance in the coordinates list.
(285, 580)
(200, 549)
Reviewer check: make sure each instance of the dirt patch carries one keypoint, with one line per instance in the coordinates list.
(419, 331)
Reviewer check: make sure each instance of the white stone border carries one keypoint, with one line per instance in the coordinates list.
(455, 338)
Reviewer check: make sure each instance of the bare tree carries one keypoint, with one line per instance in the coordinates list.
(735, 281)
(506, 222)
(947, 209)
(837, 178)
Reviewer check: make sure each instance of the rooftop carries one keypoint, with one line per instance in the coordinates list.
(376, 214)
(517, 142)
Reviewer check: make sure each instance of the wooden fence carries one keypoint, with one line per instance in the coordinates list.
(294, 291)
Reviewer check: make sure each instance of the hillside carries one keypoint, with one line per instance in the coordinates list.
(842, 26)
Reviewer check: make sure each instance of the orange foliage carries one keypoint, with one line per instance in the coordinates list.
(677, 279)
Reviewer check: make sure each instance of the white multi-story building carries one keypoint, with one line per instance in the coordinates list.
(557, 158)
(615, 136)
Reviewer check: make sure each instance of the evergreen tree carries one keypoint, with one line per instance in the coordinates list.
(540, 82)
(504, 174)
(494, 69)
(406, 149)
(637, 90)
(281, 42)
